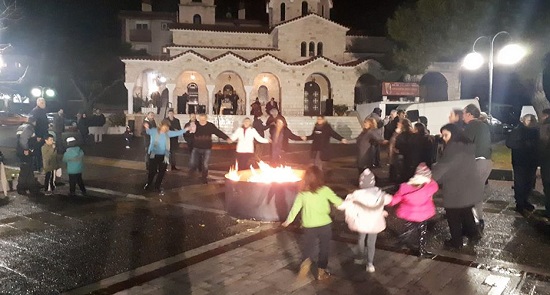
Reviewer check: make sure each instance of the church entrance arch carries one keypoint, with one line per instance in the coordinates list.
(368, 89)
(148, 88)
(316, 92)
(191, 93)
(433, 87)
(229, 94)
(266, 87)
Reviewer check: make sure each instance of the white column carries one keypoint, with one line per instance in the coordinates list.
(210, 89)
(171, 88)
(248, 101)
(130, 87)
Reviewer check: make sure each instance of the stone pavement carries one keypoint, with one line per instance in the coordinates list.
(269, 266)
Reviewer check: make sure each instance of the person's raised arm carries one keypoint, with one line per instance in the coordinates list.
(259, 138)
(176, 133)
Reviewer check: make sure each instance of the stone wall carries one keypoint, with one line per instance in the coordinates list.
(209, 38)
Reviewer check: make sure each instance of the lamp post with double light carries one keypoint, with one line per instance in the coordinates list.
(510, 54)
(40, 91)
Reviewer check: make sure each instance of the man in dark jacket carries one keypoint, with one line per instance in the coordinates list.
(480, 134)
(59, 128)
(202, 146)
(390, 128)
(523, 141)
(26, 181)
(320, 148)
(544, 154)
(174, 125)
(41, 130)
(377, 116)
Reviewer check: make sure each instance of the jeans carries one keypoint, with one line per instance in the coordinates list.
(371, 244)
(75, 179)
(461, 220)
(243, 160)
(202, 156)
(484, 168)
(49, 181)
(156, 165)
(310, 237)
(523, 183)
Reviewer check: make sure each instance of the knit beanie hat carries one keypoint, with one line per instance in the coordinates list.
(422, 175)
(367, 180)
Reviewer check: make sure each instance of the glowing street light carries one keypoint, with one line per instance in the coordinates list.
(40, 91)
(509, 55)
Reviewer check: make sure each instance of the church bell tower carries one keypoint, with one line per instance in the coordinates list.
(283, 10)
(197, 12)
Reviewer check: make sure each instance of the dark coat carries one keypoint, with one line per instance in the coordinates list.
(42, 124)
(457, 173)
(321, 140)
(524, 141)
(59, 124)
(544, 144)
(389, 129)
(365, 151)
(415, 149)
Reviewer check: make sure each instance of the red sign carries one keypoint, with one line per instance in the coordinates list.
(400, 89)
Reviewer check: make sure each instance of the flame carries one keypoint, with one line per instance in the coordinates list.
(266, 174)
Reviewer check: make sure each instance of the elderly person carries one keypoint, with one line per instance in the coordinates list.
(524, 141)
(159, 152)
(461, 185)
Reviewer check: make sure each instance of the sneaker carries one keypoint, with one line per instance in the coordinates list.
(48, 193)
(146, 187)
(305, 267)
(359, 261)
(127, 146)
(322, 274)
(370, 268)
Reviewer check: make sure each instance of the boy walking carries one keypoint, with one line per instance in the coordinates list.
(74, 157)
(49, 161)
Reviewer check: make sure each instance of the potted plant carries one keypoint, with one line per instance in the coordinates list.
(340, 109)
(117, 123)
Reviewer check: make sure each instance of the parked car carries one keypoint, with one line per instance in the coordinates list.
(9, 118)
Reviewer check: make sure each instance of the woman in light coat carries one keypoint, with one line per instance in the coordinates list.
(245, 136)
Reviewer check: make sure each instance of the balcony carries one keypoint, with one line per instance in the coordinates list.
(140, 35)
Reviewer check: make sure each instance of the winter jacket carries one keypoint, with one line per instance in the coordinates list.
(245, 140)
(157, 145)
(49, 158)
(365, 142)
(203, 135)
(524, 143)
(42, 123)
(74, 157)
(480, 134)
(364, 210)
(315, 207)
(415, 203)
(321, 139)
(457, 173)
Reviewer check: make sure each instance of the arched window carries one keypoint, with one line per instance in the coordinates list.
(197, 19)
(311, 49)
(303, 49)
(283, 12)
(197, 1)
(305, 8)
(320, 48)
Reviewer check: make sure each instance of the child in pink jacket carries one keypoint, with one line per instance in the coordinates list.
(365, 214)
(416, 205)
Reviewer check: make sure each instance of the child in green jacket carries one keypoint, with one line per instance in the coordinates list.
(314, 203)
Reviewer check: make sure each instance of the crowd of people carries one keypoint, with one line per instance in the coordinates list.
(460, 168)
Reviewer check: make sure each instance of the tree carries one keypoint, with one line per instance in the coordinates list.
(444, 30)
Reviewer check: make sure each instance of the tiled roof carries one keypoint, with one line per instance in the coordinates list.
(224, 47)
(148, 15)
(235, 28)
(249, 61)
(311, 14)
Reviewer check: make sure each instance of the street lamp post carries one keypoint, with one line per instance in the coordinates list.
(40, 91)
(508, 55)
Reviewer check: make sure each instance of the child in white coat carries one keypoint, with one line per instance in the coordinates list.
(365, 214)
